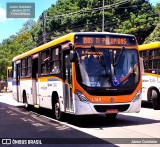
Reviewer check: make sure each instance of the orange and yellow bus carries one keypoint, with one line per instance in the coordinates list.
(151, 77)
(9, 79)
(81, 73)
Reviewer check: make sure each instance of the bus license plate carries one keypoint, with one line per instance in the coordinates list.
(109, 111)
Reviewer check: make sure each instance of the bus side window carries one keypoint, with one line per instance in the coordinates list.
(23, 67)
(145, 63)
(155, 64)
(9, 73)
(45, 58)
(28, 68)
(157, 53)
(55, 61)
(151, 54)
(158, 64)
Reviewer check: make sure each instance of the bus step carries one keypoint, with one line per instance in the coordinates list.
(36, 106)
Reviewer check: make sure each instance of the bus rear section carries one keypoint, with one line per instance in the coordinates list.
(150, 54)
(81, 74)
(9, 79)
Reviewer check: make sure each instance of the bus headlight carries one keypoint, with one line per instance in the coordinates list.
(81, 96)
(137, 96)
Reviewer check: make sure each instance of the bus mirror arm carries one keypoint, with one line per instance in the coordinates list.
(70, 45)
(72, 56)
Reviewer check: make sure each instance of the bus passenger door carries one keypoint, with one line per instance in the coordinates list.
(35, 84)
(18, 81)
(68, 99)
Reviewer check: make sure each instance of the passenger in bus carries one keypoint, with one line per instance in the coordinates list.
(83, 69)
(134, 69)
(84, 61)
(93, 63)
(45, 65)
(56, 69)
(92, 68)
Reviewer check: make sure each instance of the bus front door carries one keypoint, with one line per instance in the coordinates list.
(68, 98)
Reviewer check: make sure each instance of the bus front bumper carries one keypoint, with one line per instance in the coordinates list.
(88, 108)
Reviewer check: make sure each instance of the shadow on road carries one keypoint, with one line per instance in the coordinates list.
(21, 124)
(97, 121)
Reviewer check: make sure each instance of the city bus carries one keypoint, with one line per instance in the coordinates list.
(151, 77)
(9, 79)
(81, 73)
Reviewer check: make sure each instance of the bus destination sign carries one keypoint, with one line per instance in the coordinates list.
(117, 40)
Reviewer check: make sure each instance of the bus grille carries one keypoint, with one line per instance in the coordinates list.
(102, 108)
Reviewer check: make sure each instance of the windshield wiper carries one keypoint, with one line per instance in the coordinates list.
(100, 61)
(119, 55)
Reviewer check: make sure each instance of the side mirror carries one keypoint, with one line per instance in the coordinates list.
(72, 56)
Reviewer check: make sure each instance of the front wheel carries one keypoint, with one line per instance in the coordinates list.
(57, 110)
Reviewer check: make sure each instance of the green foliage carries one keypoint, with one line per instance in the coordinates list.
(140, 21)
(155, 35)
(137, 17)
(14, 45)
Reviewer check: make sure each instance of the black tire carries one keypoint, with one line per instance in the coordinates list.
(25, 101)
(111, 116)
(57, 111)
(155, 99)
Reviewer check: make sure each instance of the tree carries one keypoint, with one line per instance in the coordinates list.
(137, 17)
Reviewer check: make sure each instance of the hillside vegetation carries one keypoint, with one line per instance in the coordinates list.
(137, 17)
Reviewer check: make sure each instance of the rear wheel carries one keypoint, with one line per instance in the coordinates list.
(25, 101)
(57, 110)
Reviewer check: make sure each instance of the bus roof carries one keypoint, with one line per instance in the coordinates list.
(152, 45)
(68, 37)
(44, 46)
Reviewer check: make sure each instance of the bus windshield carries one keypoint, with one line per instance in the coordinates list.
(107, 67)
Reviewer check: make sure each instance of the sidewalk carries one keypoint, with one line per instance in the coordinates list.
(7, 98)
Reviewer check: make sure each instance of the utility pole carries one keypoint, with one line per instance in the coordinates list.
(44, 26)
(103, 17)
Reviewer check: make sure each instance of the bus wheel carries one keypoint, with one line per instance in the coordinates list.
(111, 116)
(155, 99)
(58, 113)
(25, 101)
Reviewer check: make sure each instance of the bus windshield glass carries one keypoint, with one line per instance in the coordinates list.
(107, 67)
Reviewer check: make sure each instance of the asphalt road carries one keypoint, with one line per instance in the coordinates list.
(132, 129)
(20, 126)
